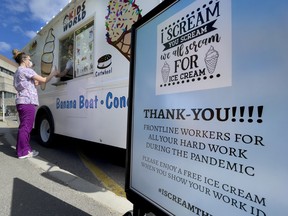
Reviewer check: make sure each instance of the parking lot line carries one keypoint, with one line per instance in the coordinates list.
(107, 182)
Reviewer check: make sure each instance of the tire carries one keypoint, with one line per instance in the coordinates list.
(46, 130)
(129, 213)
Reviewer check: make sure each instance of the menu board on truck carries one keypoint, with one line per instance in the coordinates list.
(84, 50)
(208, 109)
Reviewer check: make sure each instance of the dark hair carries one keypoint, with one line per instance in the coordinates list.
(19, 56)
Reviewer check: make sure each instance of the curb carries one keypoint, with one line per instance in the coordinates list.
(8, 124)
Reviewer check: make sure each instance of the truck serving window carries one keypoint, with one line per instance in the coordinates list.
(66, 58)
(76, 53)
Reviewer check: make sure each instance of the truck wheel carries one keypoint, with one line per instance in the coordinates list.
(46, 131)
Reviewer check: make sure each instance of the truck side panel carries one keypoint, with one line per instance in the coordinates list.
(92, 103)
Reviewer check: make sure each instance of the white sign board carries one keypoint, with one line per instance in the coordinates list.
(208, 116)
(194, 48)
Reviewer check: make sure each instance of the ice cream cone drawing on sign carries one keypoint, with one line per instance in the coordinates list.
(47, 56)
(165, 72)
(121, 16)
(211, 59)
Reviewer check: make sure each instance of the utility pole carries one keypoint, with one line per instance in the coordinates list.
(3, 107)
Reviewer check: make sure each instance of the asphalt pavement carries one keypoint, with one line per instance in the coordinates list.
(34, 186)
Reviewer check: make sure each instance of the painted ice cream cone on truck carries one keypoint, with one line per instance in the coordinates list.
(121, 16)
(47, 56)
(211, 59)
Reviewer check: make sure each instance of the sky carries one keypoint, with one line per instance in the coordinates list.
(21, 19)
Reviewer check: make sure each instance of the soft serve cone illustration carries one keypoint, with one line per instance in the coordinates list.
(211, 59)
(165, 72)
(47, 56)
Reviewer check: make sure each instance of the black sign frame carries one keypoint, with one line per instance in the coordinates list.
(141, 203)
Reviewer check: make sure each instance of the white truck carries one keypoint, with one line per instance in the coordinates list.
(89, 42)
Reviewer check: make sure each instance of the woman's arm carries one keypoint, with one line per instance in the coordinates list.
(44, 79)
(63, 73)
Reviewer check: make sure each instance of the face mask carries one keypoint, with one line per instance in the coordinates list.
(30, 64)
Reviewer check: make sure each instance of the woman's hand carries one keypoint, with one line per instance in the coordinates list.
(55, 72)
(36, 82)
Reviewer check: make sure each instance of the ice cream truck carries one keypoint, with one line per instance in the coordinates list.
(89, 43)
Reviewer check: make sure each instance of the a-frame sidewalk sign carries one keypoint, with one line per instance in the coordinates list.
(207, 117)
